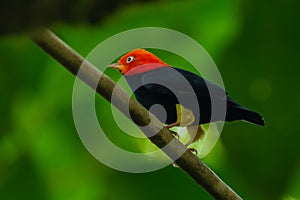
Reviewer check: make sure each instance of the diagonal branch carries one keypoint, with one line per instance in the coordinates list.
(190, 163)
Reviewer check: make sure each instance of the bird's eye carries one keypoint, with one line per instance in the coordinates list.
(130, 59)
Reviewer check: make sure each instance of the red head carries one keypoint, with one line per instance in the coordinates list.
(138, 61)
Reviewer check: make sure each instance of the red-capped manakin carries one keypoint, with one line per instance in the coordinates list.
(143, 69)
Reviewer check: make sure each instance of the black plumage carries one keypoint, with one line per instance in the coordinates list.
(168, 86)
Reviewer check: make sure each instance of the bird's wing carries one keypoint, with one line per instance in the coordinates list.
(166, 79)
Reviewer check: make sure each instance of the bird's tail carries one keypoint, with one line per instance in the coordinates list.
(253, 117)
(236, 111)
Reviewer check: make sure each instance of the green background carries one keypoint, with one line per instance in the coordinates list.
(255, 44)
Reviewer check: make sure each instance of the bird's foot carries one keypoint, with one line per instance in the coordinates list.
(175, 165)
(193, 150)
(175, 134)
(172, 125)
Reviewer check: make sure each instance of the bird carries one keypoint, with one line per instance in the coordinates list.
(149, 78)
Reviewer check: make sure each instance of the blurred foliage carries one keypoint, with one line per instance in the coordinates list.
(23, 16)
(255, 45)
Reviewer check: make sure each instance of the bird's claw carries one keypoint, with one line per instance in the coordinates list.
(175, 134)
(193, 150)
(174, 164)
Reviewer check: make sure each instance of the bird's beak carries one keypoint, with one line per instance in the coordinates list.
(116, 66)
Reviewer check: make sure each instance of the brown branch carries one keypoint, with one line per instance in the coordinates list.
(190, 163)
